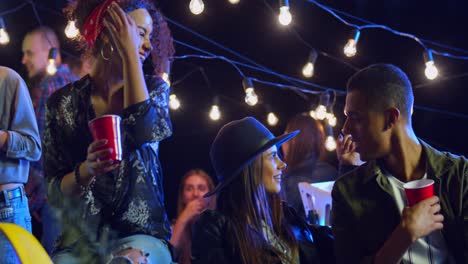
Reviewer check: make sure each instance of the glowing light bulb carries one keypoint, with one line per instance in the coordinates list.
(71, 31)
(4, 37)
(313, 114)
(285, 16)
(321, 112)
(51, 67)
(215, 114)
(431, 70)
(174, 102)
(350, 48)
(308, 70)
(165, 78)
(234, 2)
(330, 143)
(251, 97)
(331, 119)
(272, 119)
(196, 6)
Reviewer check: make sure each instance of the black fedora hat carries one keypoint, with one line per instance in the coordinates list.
(237, 144)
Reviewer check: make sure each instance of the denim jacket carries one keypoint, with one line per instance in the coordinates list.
(365, 214)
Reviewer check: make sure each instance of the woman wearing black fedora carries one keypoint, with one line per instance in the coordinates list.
(251, 224)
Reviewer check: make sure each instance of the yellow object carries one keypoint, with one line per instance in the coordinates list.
(28, 249)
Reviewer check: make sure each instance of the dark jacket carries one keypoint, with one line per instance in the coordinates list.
(210, 243)
(365, 214)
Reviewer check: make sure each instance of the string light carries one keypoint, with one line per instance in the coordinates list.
(234, 2)
(308, 69)
(350, 47)
(330, 143)
(52, 66)
(174, 102)
(331, 119)
(272, 119)
(251, 97)
(215, 114)
(71, 31)
(284, 16)
(196, 6)
(4, 37)
(431, 70)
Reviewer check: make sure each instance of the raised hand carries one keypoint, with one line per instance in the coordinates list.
(123, 31)
(345, 151)
(193, 209)
(422, 218)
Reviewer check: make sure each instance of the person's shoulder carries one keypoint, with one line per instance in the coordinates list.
(354, 179)
(68, 90)
(9, 77)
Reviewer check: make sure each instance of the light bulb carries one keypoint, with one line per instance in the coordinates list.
(321, 112)
(251, 97)
(330, 143)
(196, 6)
(215, 114)
(174, 102)
(308, 70)
(165, 78)
(431, 70)
(350, 48)
(285, 16)
(71, 31)
(331, 119)
(234, 2)
(4, 38)
(272, 119)
(51, 67)
(313, 114)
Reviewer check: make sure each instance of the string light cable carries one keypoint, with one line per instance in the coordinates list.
(396, 32)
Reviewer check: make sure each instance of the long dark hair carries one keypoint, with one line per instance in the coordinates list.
(247, 204)
(162, 42)
(308, 144)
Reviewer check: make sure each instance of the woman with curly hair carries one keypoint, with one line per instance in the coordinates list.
(112, 209)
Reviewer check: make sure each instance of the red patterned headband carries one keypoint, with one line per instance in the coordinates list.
(93, 24)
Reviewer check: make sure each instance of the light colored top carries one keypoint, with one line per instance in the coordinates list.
(429, 249)
(18, 120)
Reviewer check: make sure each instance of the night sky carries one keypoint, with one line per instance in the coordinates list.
(251, 29)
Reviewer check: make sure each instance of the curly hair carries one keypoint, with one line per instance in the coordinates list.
(162, 42)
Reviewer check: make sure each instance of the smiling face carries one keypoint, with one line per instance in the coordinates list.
(144, 24)
(366, 126)
(273, 167)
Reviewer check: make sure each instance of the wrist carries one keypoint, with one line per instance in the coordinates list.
(82, 178)
(404, 234)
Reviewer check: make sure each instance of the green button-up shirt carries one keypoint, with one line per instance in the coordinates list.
(364, 212)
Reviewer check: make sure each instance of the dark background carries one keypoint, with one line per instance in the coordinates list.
(251, 29)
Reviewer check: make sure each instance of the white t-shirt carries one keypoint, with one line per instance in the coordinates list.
(429, 249)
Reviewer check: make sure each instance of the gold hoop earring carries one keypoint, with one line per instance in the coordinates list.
(111, 52)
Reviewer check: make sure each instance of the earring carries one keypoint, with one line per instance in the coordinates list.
(111, 51)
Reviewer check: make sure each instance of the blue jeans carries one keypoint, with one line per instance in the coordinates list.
(156, 248)
(13, 210)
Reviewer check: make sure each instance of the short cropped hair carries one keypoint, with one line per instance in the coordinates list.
(384, 85)
(48, 37)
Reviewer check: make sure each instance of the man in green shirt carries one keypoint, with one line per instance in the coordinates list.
(372, 222)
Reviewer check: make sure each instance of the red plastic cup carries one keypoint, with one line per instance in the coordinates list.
(108, 127)
(418, 190)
